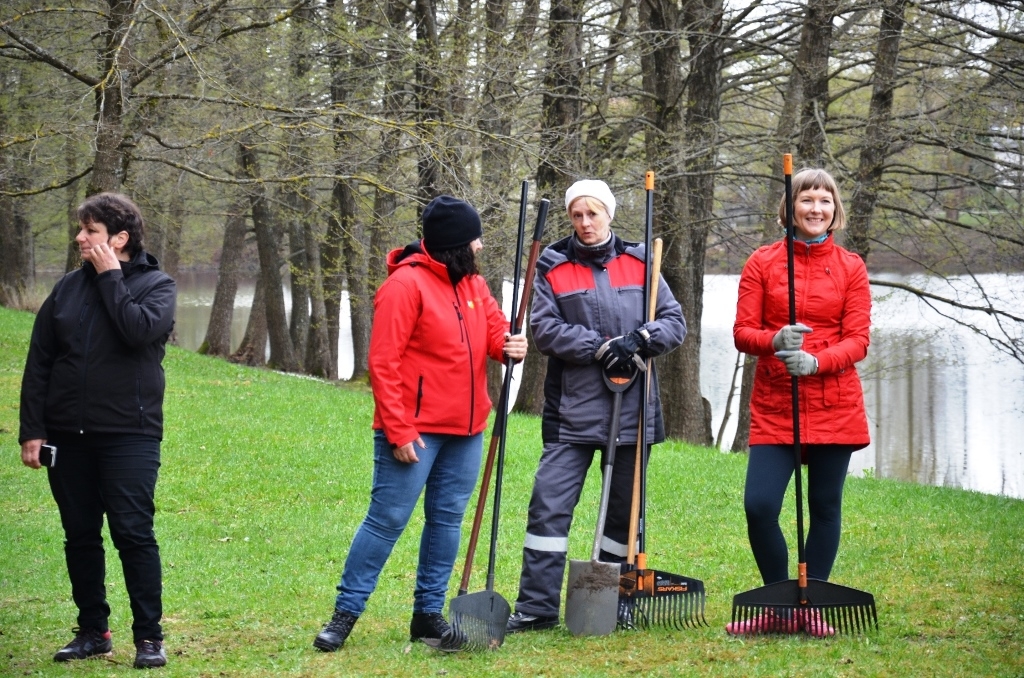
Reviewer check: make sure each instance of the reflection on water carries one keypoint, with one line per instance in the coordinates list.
(945, 408)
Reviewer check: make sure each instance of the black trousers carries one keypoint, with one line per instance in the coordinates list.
(769, 470)
(112, 474)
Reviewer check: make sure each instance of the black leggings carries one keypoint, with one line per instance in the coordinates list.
(769, 471)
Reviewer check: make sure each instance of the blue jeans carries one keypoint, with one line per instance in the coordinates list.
(448, 469)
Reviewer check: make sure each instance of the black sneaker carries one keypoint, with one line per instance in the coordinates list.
(149, 654)
(335, 632)
(521, 621)
(87, 643)
(432, 629)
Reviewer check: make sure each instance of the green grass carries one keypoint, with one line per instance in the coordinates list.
(265, 478)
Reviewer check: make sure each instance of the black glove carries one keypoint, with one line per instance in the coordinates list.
(620, 349)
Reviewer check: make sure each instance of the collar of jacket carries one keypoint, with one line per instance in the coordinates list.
(801, 248)
(566, 247)
(142, 261)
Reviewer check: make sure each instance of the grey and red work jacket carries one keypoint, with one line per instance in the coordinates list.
(582, 298)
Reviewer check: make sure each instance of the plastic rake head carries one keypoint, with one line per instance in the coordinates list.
(653, 598)
(822, 609)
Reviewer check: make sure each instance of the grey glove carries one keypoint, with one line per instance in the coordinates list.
(798, 363)
(790, 337)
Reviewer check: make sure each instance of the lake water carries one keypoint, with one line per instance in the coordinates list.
(945, 407)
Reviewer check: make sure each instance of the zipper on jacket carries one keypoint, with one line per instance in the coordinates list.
(85, 364)
(464, 332)
(419, 396)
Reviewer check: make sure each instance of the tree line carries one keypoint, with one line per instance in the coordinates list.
(315, 130)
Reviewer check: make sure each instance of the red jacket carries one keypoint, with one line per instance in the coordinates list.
(833, 298)
(429, 348)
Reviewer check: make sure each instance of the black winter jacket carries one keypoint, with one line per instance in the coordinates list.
(94, 362)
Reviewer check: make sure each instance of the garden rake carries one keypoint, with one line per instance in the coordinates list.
(807, 601)
(652, 597)
(480, 618)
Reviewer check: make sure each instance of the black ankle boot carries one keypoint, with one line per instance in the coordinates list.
(335, 632)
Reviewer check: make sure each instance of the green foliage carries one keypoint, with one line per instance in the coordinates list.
(265, 478)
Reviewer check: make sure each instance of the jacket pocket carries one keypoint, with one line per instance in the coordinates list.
(833, 390)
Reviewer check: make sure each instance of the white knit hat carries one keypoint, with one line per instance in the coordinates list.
(592, 188)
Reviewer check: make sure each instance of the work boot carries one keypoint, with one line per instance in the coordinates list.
(149, 654)
(432, 629)
(766, 622)
(87, 643)
(521, 621)
(335, 632)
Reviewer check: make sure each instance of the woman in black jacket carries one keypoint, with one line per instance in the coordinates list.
(93, 388)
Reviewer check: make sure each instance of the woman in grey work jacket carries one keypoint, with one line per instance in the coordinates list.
(587, 314)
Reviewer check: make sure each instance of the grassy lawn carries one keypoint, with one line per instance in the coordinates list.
(265, 477)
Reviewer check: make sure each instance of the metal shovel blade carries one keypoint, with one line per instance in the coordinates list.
(592, 599)
(479, 619)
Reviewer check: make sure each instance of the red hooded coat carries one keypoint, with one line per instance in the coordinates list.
(429, 348)
(833, 298)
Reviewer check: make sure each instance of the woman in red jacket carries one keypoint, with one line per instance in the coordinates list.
(435, 323)
(833, 310)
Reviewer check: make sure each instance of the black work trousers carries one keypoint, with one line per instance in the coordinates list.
(112, 474)
(769, 471)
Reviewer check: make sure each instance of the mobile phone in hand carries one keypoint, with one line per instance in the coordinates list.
(47, 455)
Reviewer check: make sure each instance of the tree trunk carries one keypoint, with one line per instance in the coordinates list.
(879, 141)
(170, 258)
(500, 213)
(218, 331)
(110, 162)
(815, 43)
(16, 247)
(298, 276)
(318, 351)
(560, 148)
(253, 349)
(282, 352)
(683, 260)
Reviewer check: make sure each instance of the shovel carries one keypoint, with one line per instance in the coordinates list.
(592, 598)
(845, 609)
(479, 619)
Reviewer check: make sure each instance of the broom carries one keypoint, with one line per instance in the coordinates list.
(652, 597)
(845, 609)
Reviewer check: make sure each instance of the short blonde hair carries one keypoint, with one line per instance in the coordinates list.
(594, 204)
(811, 178)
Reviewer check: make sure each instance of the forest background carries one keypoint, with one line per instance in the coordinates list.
(300, 139)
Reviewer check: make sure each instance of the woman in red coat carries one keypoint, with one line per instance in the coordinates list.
(833, 310)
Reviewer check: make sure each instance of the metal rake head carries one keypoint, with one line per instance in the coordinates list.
(654, 598)
(474, 633)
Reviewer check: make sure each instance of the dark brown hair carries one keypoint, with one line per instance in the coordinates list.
(118, 213)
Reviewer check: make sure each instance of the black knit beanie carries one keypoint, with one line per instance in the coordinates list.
(449, 223)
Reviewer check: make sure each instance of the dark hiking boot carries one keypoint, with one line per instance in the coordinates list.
(335, 632)
(432, 629)
(521, 621)
(87, 643)
(149, 654)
